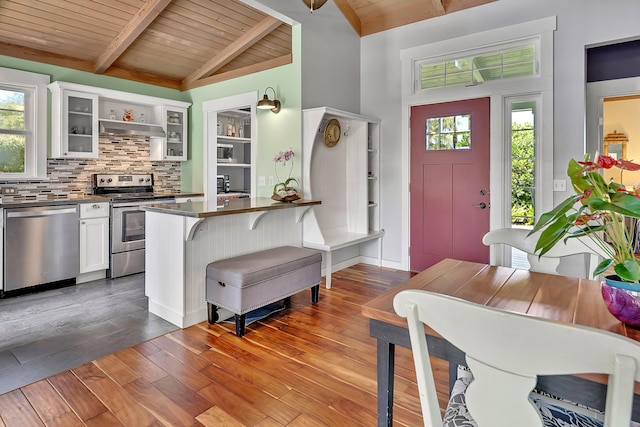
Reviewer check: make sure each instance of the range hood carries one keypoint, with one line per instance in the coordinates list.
(121, 128)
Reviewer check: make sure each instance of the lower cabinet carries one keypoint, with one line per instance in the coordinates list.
(94, 237)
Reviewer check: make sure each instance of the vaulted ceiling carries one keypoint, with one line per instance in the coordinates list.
(180, 44)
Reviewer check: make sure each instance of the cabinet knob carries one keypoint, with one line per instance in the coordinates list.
(95, 206)
(82, 222)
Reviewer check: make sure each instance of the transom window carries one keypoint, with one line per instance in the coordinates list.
(507, 62)
(449, 133)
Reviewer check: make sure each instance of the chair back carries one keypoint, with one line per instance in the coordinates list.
(507, 351)
(519, 238)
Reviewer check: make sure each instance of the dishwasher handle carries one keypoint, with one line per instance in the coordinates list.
(38, 213)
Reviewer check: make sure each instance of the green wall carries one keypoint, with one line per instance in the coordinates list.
(276, 132)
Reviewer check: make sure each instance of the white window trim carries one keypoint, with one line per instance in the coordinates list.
(35, 156)
(497, 91)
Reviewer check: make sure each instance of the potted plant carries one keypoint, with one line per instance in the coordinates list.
(285, 191)
(601, 213)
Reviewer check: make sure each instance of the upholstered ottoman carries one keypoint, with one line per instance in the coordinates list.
(247, 282)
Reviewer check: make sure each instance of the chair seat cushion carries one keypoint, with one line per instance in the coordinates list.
(554, 413)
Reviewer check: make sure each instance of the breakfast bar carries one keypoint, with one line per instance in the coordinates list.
(183, 238)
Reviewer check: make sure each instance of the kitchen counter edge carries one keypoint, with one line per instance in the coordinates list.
(228, 207)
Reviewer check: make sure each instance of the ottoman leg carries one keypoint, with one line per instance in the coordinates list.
(213, 313)
(315, 292)
(240, 320)
(287, 302)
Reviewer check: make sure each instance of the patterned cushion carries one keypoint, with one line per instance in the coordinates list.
(555, 412)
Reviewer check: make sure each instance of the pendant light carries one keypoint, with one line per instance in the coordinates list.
(314, 4)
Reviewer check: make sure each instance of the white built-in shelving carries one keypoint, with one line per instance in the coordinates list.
(345, 177)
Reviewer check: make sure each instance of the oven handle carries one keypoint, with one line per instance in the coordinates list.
(145, 202)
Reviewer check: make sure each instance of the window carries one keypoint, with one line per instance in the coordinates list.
(23, 121)
(506, 62)
(449, 133)
(523, 164)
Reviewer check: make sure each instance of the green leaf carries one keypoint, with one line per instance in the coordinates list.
(554, 215)
(629, 271)
(552, 235)
(602, 267)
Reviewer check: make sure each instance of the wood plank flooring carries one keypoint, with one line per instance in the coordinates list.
(304, 366)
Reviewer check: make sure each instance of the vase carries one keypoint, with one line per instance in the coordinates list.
(622, 300)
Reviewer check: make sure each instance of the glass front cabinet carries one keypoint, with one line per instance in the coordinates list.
(74, 124)
(174, 145)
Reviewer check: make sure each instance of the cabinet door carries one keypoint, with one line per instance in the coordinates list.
(174, 146)
(94, 244)
(78, 131)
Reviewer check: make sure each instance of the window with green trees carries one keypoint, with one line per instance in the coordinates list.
(522, 167)
(13, 133)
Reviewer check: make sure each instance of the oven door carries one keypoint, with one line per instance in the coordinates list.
(127, 230)
(127, 224)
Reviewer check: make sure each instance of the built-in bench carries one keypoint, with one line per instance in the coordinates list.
(248, 282)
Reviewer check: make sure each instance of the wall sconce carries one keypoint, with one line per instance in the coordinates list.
(266, 104)
(314, 4)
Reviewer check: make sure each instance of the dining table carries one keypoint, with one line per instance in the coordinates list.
(558, 298)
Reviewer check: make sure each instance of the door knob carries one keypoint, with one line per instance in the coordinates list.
(481, 205)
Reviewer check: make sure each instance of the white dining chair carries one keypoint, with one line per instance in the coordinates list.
(519, 238)
(506, 351)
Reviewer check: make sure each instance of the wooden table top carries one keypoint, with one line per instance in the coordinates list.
(559, 298)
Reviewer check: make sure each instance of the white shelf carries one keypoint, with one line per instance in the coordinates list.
(238, 139)
(234, 165)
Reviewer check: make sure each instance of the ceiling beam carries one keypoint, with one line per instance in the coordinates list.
(226, 55)
(438, 7)
(138, 23)
(244, 71)
(350, 14)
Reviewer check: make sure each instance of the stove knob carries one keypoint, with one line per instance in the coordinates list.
(109, 179)
(101, 179)
(141, 180)
(148, 179)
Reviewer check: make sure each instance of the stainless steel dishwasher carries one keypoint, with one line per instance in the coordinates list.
(40, 245)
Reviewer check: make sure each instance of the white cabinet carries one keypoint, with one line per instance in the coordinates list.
(344, 175)
(80, 113)
(174, 145)
(94, 237)
(74, 123)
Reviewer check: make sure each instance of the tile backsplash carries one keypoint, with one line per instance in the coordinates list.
(72, 177)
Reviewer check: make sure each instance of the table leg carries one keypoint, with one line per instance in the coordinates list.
(386, 355)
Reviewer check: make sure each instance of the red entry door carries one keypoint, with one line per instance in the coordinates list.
(449, 182)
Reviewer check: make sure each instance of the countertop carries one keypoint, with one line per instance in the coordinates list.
(56, 200)
(227, 207)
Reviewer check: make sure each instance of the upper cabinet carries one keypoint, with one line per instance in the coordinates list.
(74, 124)
(174, 145)
(80, 114)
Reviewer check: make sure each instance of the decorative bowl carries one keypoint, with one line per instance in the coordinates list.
(621, 300)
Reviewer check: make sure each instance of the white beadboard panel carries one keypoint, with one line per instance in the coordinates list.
(215, 238)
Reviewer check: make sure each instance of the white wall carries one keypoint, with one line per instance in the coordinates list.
(580, 24)
(330, 54)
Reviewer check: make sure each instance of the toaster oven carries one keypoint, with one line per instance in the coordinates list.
(223, 184)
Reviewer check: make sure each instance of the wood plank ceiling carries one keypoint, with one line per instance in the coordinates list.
(180, 44)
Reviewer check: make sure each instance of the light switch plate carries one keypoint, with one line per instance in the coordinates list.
(261, 181)
(559, 185)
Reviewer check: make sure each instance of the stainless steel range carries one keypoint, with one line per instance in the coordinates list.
(126, 194)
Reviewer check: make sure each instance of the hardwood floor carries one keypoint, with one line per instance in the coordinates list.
(305, 366)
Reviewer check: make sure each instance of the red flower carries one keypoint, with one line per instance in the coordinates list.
(607, 162)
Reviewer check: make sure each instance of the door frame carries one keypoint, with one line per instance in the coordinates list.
(497, 91)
